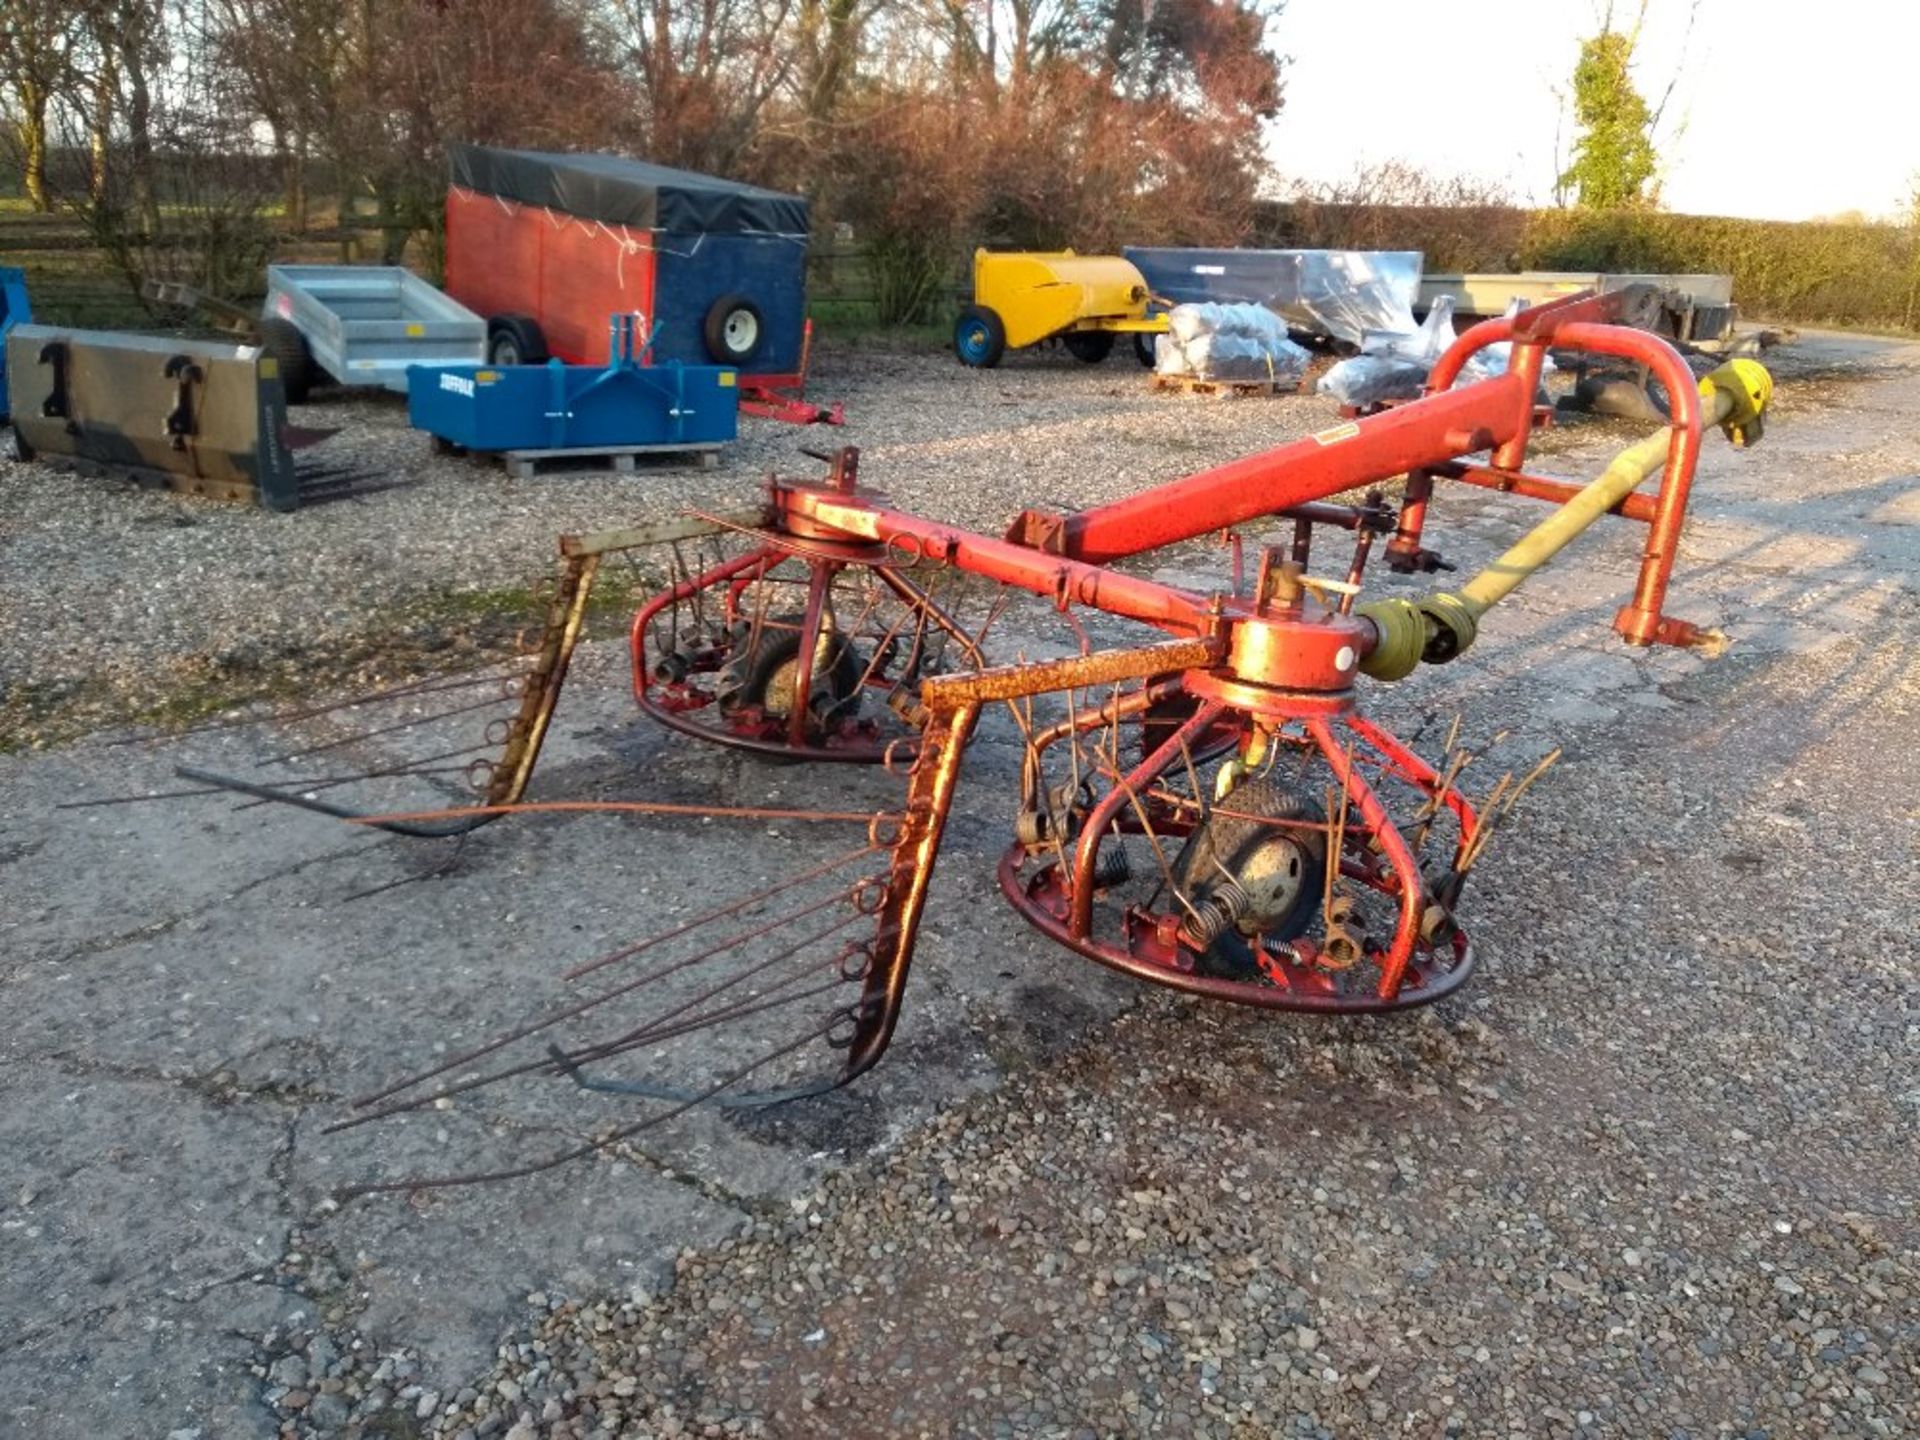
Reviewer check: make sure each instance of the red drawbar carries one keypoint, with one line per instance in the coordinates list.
(509, 259)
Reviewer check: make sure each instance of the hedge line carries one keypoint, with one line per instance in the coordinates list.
(1812, 272)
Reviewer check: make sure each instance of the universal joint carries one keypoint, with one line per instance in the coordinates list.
(1433, 629)
(1747, 389)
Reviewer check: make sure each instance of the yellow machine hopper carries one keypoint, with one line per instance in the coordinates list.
(1022, 297)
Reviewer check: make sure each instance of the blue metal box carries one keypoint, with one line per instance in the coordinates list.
(14, 310)
(556, 406)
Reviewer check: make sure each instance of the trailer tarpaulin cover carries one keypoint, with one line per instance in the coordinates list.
(619, 191)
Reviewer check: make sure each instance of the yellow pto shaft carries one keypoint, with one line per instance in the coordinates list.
(1441, 626)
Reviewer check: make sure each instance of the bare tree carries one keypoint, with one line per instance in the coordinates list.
(194, 208)
(929, 124)
(515, 72)
(119, 45)
(706, 71)
(292, 60)
(38, 43)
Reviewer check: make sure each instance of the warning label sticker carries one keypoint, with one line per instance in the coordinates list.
(1337, 434)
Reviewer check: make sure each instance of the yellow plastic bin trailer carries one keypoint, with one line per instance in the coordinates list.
(1022, 297)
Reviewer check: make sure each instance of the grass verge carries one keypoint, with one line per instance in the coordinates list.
(440, 633)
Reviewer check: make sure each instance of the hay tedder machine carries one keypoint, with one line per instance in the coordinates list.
(1201, 803)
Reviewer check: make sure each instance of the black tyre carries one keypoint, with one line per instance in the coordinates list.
(1090, 346)
(18, 448)
(765, 675)
(283, 341)
(735, 330)
(1283, 867)
(1622, 398)
(1145, 349)
(979, 339)
(515, 340)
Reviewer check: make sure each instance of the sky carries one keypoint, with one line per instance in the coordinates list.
(1781, 109)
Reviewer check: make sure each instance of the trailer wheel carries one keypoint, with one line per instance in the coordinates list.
(1089, 346)
(1145, 349)
(734, 330)
(979, 339)
(283, 341)
(515, 340)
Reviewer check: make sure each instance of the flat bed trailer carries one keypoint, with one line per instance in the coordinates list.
(362, 325)
(1693, 309)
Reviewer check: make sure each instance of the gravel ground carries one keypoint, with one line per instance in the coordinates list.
(1654, 1179)
(118, 597)
(1651, 1175)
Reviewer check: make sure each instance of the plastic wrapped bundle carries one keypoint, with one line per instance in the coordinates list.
(1363, 380)
(1494, 359)
(1232, 344)
(1351, 294)
(1395, 366)
(1392, 365)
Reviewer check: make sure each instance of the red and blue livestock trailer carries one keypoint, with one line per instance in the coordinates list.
(548, 246)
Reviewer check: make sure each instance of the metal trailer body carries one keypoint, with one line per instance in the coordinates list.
(14, 310)
(575, 407)
(1334, 294)
(196, 416)
(365, 324)
(561, 242)
(1022, 297)
(1692, 309)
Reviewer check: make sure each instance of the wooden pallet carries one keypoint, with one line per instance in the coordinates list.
(1225, 389)
(621, 459)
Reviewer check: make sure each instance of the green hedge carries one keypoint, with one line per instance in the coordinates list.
(1813, 272)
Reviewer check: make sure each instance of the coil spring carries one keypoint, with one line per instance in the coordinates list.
(1214, 915)
(1113, 869)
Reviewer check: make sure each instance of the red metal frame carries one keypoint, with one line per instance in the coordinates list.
(1269, 675)
(1421, 437)
(683, 707)
(779, 397)
(1060, 899)
(1250, 665)
(1065, 557)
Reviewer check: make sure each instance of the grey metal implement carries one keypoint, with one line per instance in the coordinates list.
(197, 416)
